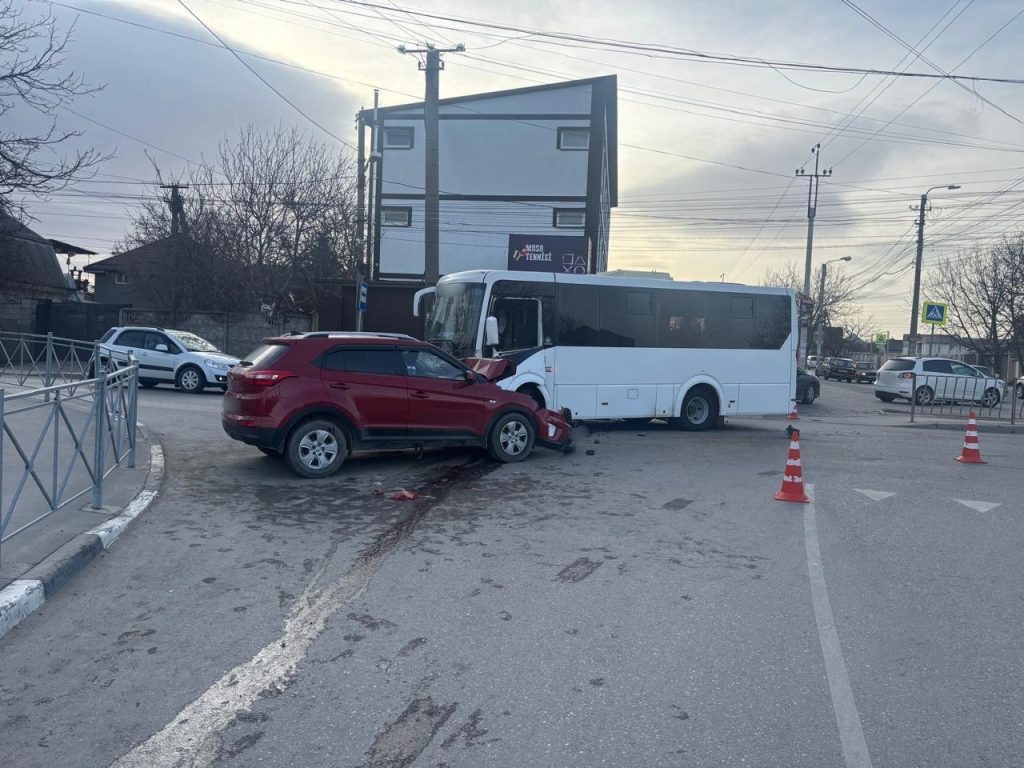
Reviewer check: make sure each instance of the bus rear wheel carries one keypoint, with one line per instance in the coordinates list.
(699, 410)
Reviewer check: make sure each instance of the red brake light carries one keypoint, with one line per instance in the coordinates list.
(267, 378)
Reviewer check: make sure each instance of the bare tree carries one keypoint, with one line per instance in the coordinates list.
(837, 303)
(266, 224)
(979, 289)
(1011, 254)
(32, 78)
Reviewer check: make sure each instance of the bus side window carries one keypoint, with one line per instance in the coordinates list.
(682, 319)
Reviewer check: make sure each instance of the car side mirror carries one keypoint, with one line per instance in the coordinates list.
(491, 331)
(160, 348)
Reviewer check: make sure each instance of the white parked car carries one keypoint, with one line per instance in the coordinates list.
(936, 379)
(170, 357)
(812, 363)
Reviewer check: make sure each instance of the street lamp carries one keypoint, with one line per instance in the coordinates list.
(917, 264)
(821, 300)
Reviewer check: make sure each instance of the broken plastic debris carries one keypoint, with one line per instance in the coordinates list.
(404, 495)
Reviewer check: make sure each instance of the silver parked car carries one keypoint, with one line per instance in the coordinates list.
(936, 379)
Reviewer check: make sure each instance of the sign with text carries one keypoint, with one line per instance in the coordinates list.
(934, 313)
(568, 254)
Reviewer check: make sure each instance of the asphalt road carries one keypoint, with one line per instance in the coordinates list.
(646, 604)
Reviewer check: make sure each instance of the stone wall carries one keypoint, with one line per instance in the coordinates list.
(236, 334)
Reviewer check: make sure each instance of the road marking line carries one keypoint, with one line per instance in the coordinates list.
(851, 734)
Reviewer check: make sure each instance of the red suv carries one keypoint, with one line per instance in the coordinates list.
(316, 397)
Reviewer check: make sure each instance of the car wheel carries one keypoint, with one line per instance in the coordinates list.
(511, 438)
(698, 411)
(810, 394)
(190, 379)
(990, 399)
(148, 383)
(924, 396)
(316, 448)
(885, 398)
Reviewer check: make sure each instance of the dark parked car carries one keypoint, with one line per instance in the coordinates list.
(317, 397)
(808, 388)
(837, 368)
(866, 372)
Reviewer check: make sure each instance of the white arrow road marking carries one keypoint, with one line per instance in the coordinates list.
(978, 506)
(874, 495)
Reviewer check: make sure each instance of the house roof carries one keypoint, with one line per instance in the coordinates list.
(604, 94)
(156, 251)
(27, 259)
(73, 250)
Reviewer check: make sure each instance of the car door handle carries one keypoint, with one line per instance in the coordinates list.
(419, 395)
(339, 385)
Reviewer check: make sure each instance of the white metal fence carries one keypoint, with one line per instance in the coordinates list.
(937, 395)
(66, 423)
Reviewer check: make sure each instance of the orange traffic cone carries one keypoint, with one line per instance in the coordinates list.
(794, 414)
(971, 453)
(793, 478)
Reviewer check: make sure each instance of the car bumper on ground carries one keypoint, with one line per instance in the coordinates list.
(553, 431)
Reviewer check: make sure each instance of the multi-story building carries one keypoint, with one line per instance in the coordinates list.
(527, 180)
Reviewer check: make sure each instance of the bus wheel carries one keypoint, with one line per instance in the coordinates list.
(699, 410)
(532, 392)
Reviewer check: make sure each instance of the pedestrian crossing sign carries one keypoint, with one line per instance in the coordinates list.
(934, 313)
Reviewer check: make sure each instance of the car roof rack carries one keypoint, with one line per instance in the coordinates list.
(355, 335)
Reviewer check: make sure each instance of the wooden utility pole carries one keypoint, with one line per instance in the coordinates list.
(178, 225)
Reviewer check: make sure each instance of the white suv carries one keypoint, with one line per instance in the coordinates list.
(171, 357)
(936, 379)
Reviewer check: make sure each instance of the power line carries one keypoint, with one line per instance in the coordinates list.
(262, 79)
(648, 48)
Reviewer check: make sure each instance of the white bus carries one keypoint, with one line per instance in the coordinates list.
(604, 347)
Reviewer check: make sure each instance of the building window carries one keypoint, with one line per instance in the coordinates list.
(570, 218)
(395, 216)
(574, 138)
(121, 278)
(398, 137)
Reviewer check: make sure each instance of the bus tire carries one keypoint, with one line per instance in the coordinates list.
(531, 391)
(699, 410)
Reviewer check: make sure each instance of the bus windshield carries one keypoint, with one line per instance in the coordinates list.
(455, 317)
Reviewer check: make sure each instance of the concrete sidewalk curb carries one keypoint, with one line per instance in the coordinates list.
(23, 596)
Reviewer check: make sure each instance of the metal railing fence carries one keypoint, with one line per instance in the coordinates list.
(61, 438)
(957, 396)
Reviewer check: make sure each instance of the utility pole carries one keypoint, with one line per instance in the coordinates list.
(812, 206)
(178, 225)
(431, 67)
(819, 329)
(360, 216)
(915, 307)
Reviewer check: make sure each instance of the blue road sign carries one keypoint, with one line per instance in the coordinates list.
(363, 287)
(934, 312)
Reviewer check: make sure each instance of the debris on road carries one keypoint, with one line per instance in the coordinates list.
(404, 495)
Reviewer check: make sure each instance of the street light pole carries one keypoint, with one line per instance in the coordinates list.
(821, 301)
(917, 264)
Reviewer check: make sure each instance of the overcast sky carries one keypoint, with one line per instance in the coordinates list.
(172, 92)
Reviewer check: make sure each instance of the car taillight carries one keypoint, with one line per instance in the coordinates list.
(905, 375)
(266, 378)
